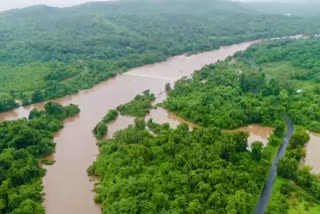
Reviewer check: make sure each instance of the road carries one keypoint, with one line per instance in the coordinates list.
(268, 187)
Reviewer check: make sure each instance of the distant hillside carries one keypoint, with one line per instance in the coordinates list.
(297, 8)
(58, 51)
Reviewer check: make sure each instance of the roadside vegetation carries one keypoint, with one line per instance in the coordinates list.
(297, 189)
(71, 49)
(22, 144)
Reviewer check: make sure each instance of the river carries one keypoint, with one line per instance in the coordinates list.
(256, 133)
(313, 147)
(66, 184)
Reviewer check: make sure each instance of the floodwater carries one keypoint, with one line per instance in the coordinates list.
(67, 187)
(313, 147)
(256, 133)
(158, 115)
(161, 116)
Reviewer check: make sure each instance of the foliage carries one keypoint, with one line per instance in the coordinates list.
(257, 148)
(223, 101)
(37, 96)
(259, 86)
(59, 51)
(177, 171)
(287, 167)
(287, 197)
(295, 65)
(306, 183)
(279, 128)
(7, 103)
(139, 107)
(22, 144)
(279, 203)
(48, 162)
(101, 128)
(111, 116)
(245, 92)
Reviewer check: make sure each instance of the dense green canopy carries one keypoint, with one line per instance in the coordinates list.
(177, 171)
(264, 84)
(22, 143)
(52, 52)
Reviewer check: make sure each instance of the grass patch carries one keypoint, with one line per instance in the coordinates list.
(23, 77)
(286, 71)
(300, 202)
(289, 198)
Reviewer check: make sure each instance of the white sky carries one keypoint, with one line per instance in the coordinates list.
(286, 1)
(11, 4)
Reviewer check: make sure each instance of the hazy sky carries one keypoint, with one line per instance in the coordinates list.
(10, 4)
(286, 1)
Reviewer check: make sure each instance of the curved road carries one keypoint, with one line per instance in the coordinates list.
(268, 187)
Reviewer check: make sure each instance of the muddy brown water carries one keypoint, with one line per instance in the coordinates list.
(67, 187)
(313, 147)
(256, 133)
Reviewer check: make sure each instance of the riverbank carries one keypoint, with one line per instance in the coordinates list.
(76, 148)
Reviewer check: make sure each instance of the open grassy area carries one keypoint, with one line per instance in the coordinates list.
(300, 202)
(301, 206)
(23, 77)
(296, 202)
(284, 70)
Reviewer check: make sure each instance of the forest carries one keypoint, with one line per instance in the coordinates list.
(23, 143)
(150, 168)
(260, 85)
(263, 84)
(49, 52)
(208, 170)
(178, 171)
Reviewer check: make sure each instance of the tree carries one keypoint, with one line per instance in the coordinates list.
(100, 130)
(257, 148)
(140, 123)
(37, 96)
(287, 167)
(279, 128)
(299, 138)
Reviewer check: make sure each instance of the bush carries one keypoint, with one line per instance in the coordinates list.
(287, 167)
(112, 115)
(100, 130)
